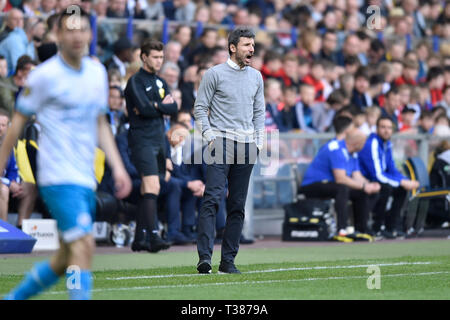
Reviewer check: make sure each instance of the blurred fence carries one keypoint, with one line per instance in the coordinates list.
(271, 189)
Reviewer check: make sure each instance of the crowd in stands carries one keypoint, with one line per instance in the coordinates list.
(318, 58)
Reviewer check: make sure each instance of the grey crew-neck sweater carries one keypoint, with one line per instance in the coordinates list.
(230, 104)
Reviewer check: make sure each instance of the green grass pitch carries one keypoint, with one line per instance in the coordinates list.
(407, 270)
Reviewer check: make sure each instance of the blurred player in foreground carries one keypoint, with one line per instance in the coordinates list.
(68, 94)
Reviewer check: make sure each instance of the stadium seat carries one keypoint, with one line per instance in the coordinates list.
(418, 204)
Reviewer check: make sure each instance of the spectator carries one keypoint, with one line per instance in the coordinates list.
(422, 49)
(304, 68)
(47, 8)
(10, 87)
(309, 45)
(3, 68)
(441, 126)
(334, 173)
(334, 103)
(408, 115)
(240, 18)
(376, 52)
(377, 164)
(364, 42)
(154, 10)
(410, 73)
(426, 122)
(435, 80)
(391, 106)
(172, 53)
(101, 8)
(190, 89)
(123, 55)
(314, 79)
(19, 42)
(445, 102)
(14, 19)
(170, 72)
(351, 64)
(311, 116)
(115, 115)
(203, 51)
(201, 14)
(273, 96)
(10, 177)
(273, 66)
(219, 55)
(351, 47)
(117, 9)
(329, 46)
(183, 35)
(347, 84)
(30, 7)
(218, 13)
(184, 10)
(181, 190)
(372, 115)
(361, 97)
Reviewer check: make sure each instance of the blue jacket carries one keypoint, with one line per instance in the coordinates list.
(14, 46)
(11, 173)
(376, 162)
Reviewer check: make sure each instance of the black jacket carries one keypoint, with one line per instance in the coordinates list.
(144, 94)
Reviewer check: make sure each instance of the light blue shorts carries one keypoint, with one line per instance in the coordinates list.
(73, 208)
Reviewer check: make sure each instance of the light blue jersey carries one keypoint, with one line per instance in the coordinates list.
(67, 103)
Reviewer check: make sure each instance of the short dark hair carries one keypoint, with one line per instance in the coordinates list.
(149, 45)
(393, 90)
(66, 13)
(384, 117)
(340, 123)
(237, 34)
(362, 72)
(434, 72)
(118, 89)
(23, 61)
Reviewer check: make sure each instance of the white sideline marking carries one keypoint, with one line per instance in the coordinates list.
(274, 270)
(253, 282)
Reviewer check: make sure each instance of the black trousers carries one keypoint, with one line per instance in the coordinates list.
(342, 194)
(392, 218)
(235, 167)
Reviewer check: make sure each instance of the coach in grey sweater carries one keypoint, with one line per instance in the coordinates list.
(230, 112)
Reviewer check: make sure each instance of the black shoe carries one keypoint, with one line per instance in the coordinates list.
(228, 268)
(204, 266)
(244, 240)
(157, 244)
(140, 246)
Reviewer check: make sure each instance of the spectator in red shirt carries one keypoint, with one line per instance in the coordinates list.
(273, 66)
(409, 74)
(435, 79)
(315, 79)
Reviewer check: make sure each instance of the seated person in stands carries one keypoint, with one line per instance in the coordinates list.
(334, 173)
(377, 164)
(12, 190)
(182, 188)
